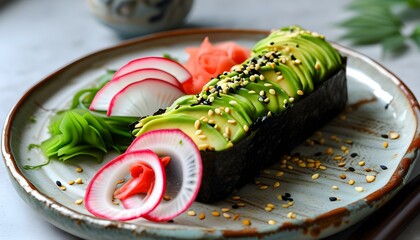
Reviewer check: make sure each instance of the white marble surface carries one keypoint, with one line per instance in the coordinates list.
(39, 36)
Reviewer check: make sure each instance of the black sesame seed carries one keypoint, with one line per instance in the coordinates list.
(58, 183)
(284, 198)
(386, 106)
(318, 154)
(290, 199)
(351, 169)
(171, 221)
(384, 167)
(235, 206)
(287, 195)
(293, 57)
(353, 155)
(384, 135)
(332, 199)
(272, 43)
(297, 45)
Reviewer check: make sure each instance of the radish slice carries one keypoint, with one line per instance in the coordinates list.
(99, 193)
(167, 65)
(143, 98)
(183, 174)
(104, 96)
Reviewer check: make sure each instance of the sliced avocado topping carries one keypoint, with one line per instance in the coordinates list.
(221, 119)
(284, 67)
(205, 136)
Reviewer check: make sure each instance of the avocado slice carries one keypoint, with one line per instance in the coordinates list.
(239, 108)
(260, 107)
(264, 96)
(216, 117)
(206, 139)
(182, 101)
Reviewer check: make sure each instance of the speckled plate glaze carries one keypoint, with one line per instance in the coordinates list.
(378, 104)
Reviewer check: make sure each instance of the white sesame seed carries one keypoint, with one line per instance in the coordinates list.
(233, 102)
(191, 213)
(246, 128)
(280, 77)
(227, 110)
(232, 121)
(79, 181)
(197, 124)
(359, 189)
(210, 113)
(202, 137)
(291, 215)
(268, 209)
(198, 132)
(393, 135)
(370, 178)
(272, 222)
(236, 197)
(225, 209)
(315, 176)
(79, 201)
(251, 92)
(299, 92)
(272, 91)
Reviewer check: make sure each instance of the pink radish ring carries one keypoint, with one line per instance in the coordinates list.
(99, 193)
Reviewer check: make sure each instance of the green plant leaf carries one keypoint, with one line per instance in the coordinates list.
(415, 35)
(414, 3)
(362, 4)
(394, 45)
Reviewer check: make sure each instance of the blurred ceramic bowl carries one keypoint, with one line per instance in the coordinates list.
(138, 17)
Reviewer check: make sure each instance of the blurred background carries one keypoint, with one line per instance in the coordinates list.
(37, 37)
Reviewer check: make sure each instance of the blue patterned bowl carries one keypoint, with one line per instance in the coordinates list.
(131, 18)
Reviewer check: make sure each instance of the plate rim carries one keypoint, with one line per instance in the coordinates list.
(392, 186)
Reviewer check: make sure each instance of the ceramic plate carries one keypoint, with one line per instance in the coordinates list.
(350, 147)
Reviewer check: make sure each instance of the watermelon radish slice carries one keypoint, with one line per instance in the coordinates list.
(143, 98)
(99, 193)
(167, 65)
(183, 173)
(104, 96)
